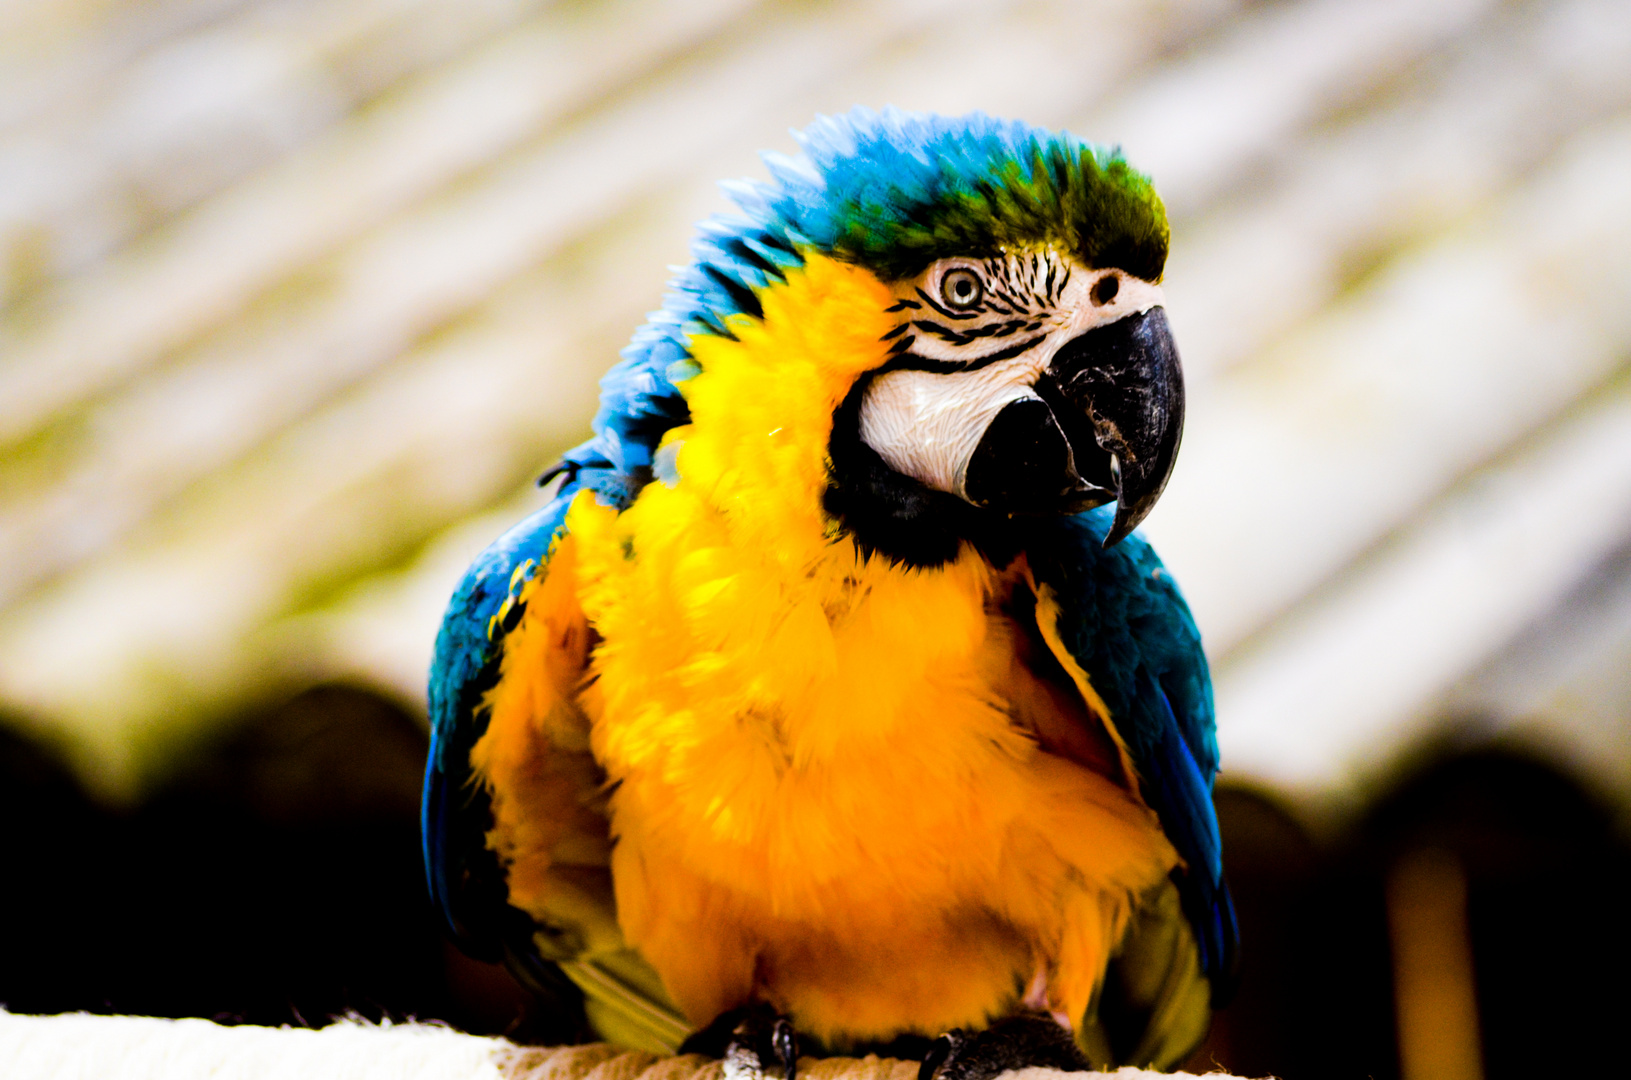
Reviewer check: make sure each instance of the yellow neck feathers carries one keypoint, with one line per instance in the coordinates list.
(731, 588)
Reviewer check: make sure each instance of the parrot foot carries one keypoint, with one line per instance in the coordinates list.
(753, 1041)
(1014, 1042)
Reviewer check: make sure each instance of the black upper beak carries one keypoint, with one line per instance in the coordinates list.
(1107, 427)
(1126, 380)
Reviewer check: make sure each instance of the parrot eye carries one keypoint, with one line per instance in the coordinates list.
(1105, 289)
(961, 288)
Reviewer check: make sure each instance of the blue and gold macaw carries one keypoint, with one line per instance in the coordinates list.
(832, 694)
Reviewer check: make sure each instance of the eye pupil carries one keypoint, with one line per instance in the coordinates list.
(961, 288)
(1105, 289)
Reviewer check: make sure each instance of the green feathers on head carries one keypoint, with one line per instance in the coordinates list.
(971, 190)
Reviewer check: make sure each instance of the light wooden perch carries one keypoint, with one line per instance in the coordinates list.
(83, 1047)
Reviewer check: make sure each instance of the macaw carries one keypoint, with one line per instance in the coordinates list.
(832, 701)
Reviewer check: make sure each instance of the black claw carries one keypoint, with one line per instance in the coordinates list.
(1014, 1042)
(939, 1053)
(786, 1047)
(753, 1041)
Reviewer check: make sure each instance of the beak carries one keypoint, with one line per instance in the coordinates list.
(1106, 427)
(1125, 378)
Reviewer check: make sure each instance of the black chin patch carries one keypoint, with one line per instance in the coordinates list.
(895, 516)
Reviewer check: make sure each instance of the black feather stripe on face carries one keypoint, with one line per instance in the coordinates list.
(1019, 296)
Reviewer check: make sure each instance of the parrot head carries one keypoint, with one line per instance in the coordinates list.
(1016, 359)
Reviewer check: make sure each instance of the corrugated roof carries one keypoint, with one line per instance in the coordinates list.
(299, 295)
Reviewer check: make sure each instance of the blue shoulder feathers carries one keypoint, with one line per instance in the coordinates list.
(1124, 621)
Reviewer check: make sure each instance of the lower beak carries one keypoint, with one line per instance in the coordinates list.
(1104, 425)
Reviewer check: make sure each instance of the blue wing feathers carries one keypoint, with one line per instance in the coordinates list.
(1125, 622)
(463, 876)
(1182, 795)
(1182, 786)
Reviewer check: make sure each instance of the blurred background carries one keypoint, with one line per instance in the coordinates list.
(297, 297)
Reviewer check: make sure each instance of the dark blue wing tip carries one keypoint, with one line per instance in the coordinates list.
(432, 831)
(448, 873)
(462, 875)
(1220, 956)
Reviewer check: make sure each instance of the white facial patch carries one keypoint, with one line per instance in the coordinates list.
(926, 424)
